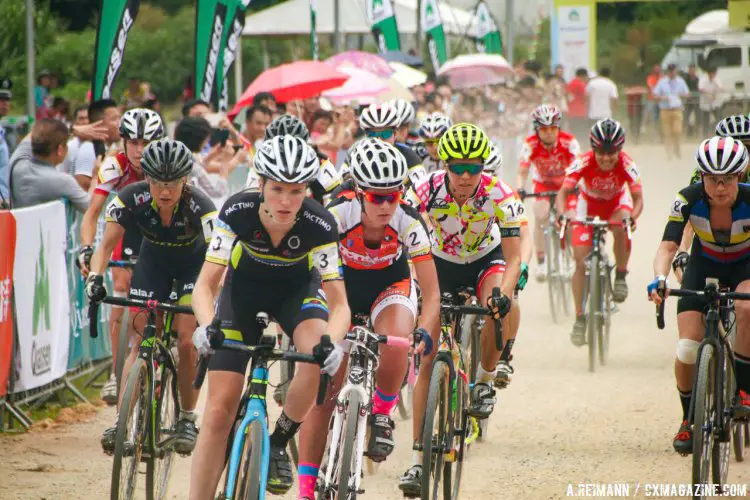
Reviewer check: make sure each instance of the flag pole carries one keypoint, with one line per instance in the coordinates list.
(30, 55)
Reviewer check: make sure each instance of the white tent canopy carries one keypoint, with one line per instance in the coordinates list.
(293, 18)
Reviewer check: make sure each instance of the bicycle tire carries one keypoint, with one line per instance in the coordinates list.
(437, 406)
(565, 277)
(158, 471)
(703, 396)
(135, 402)
(592, 323)
(721, 449)
(606, 317)
(552, 274)
(251, 463)
(353, 406)
(746, 432)
(452, 473)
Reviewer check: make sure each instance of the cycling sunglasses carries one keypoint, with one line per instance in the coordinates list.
(461, 168)
(383, 134)
(431, 141)
(380, 198)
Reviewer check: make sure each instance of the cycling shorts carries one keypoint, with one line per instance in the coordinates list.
(288, 304)
(699, 268)
(593, 207)
(542, 187)
(371, 291)
(129, 246)
(452, 276)
(156, 278)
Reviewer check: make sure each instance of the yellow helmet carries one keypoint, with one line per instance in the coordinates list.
(464, 141)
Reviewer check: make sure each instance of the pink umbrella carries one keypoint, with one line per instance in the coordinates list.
(476, 70)
(361, 60)
(297, 80)
(363, 86)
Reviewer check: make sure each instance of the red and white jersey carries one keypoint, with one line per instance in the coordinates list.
(598, 184)
(549, 164)
(115, 173)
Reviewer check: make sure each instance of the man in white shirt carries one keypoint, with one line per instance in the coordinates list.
(710, 89)
(602, 94)
(83, 165)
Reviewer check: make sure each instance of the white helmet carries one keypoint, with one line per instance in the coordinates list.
(736, 127)
(141, 123)
(434, 125)
(377, 165)
(378, 116)
(494, 162)
(287, 159)
(545, 115)
(721, 156)
(404, 110)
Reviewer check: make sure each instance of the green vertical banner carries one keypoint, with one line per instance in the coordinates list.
(383, 24)
(115, 21)
(488, 35)
(313, 31)
(209, 31)
(231, 38)
(82, 347)
(432, 25)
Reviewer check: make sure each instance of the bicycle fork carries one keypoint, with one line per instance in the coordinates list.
(338, 427)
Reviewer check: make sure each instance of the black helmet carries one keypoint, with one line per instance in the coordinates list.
(607, 135)
(166, 160)
(287, 125)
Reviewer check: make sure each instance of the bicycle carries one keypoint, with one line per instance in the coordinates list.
(559, 262)
(598, 305)
(346, 446)
(710, 416)
(446, 426)
(149, 408)
(247, 464)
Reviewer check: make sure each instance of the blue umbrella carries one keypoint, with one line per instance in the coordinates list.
(400, 57)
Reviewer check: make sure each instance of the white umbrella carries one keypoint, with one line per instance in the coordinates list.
(407, 76)
(362, 86)
(476, 70)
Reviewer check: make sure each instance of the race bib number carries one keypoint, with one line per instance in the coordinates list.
(110, 170)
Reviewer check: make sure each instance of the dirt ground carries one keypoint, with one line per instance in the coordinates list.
(556, 426)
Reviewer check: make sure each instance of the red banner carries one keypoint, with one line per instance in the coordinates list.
(7, 255)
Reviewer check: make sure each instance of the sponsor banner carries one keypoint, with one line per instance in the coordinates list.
(231, 38)
(488, 35)
(209, 32)
(41, 295)
(432, 25)
(82, 347)
(573, 43)
(383, 24)
(115, 21)
(7, 252)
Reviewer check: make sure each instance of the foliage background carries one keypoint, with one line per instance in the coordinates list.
(631, 38)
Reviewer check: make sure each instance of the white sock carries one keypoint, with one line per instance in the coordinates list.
(483, 376)
(191, 415)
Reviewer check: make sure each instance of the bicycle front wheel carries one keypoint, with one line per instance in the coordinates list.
(594, 314)
(454, 461)
(436, 430)
(251, 466)
(167, 412)
(553, 274)
(704, 416)
(348, 473)
(606, 317)
(725, 391)
(132, 433)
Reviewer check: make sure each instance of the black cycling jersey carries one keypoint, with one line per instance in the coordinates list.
(191, 226)
(241, 239)
(412, 160)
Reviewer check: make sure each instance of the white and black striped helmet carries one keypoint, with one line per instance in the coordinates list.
(404, 111)
(375, 164)
(287, 125)
(287, 159)
(721, 156)
(494, 162)
(434, 125)
(607, 135)
(141, 123)
(378, 116)
(735, 126)
(166, 160)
